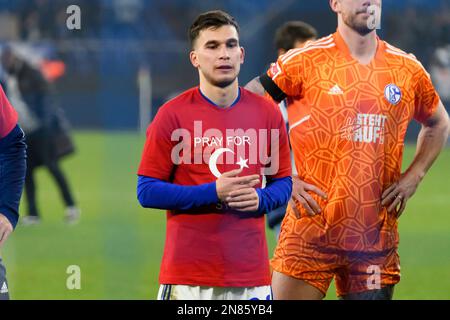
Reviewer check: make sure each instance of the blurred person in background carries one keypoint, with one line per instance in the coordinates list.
(291, 35)
(12, 176)
(46, 130)
(440, 73)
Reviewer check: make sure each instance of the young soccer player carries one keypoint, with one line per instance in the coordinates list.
(12, 177)
(358, 94)
(203, 160)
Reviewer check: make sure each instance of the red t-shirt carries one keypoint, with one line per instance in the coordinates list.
(190, 142)
(8, 116)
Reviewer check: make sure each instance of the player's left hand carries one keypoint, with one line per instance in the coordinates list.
(245, 199)
(5, 229)
(397, 194)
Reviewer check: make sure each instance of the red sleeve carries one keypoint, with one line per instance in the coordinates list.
(280, 166)
(156, 159)
(8, 116)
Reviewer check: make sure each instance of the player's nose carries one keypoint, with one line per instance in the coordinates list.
(224, 53)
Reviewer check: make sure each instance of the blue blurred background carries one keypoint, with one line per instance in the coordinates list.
(125, 46)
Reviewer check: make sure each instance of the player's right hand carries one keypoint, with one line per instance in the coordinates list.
(229, 182)
(5, 229)
(300, 194)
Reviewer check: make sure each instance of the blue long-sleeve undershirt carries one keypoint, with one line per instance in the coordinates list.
(12, 173)
(155, 193)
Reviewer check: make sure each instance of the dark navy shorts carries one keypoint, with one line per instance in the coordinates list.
(4, 290)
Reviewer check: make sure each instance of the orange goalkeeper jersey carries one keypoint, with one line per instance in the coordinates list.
(347, 133)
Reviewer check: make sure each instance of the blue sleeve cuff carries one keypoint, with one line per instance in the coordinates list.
(276, 194)
(11, 215)
(211, 192)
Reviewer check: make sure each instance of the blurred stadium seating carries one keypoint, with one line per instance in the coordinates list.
(117, 38)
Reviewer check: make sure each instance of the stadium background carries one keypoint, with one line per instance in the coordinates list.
(129, 57)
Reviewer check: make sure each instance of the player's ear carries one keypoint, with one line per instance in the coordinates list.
(334, 4)
(194, 59)
(242, 55)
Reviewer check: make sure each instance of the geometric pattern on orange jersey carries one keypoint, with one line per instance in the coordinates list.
(347, 137)
(318, 265)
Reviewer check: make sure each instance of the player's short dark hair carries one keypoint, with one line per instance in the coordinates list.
(292, 31)
(211, 19)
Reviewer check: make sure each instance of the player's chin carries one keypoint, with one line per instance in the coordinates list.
(224, 81)
(362, 28)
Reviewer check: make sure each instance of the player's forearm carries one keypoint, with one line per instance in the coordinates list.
(255, 86)
(12, 173)
(154, 193)
(430, 142)
(276, 194)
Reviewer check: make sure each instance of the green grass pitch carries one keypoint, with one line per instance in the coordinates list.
(118, 245)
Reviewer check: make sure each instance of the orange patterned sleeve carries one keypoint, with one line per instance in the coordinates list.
(287, 73)
(426, 97)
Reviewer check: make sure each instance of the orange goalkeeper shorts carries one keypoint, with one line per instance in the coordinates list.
(317, 265)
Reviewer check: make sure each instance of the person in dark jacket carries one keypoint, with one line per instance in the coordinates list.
(46, 130)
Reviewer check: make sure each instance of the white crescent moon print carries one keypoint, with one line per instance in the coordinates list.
(213, 161)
